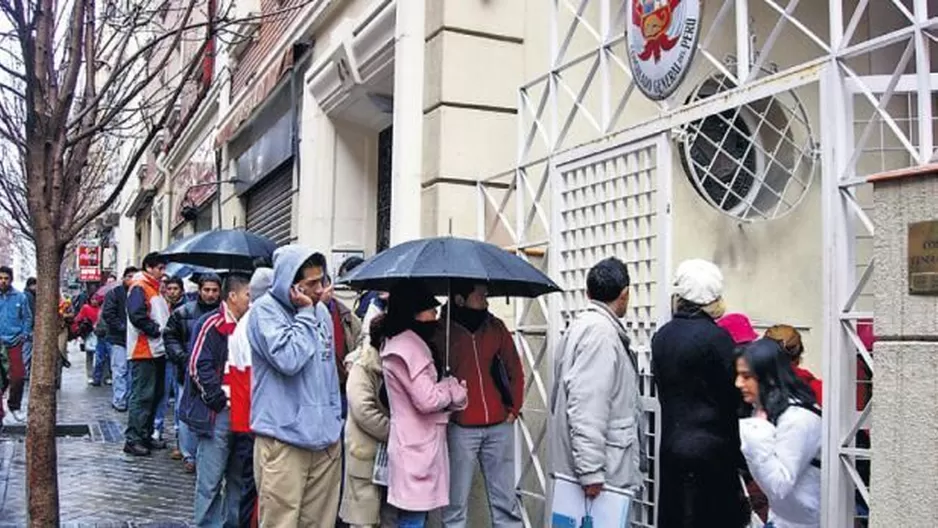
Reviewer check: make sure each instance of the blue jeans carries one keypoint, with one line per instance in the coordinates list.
(217, 463)
(102, 356)
(120, 376)
(169, 381)
(28, 354)
(186, 440)
(493, 448)
(406, 519)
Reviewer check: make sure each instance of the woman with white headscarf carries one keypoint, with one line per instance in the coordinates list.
(693, 366)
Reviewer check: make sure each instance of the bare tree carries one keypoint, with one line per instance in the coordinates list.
(85, 87)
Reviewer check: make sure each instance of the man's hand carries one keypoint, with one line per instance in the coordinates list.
(327, 293)
(592, 490)
(511, 417)
(298, 298)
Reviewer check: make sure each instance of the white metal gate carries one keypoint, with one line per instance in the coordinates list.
(867, 64)
(616, 203)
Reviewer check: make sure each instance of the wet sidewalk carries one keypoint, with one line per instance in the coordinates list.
(99, 486)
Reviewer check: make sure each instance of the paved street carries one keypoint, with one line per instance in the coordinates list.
(99, 486)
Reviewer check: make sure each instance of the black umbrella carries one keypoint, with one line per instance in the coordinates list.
(438, 261)
(231, 249)
(175, 269)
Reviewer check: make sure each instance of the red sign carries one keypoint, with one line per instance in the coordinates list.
(89, 263)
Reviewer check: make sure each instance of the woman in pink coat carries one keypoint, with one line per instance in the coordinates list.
(418, 463)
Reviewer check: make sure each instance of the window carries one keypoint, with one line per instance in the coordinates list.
(754, 162)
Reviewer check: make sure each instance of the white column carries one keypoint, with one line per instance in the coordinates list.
(407, 154)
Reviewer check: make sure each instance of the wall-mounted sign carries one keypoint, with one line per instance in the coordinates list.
(662, 39)
(923, 258)
(89, 262)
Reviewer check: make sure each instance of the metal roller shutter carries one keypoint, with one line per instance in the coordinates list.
(270, 206)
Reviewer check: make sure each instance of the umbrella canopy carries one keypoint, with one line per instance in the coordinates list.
(232, 249)
(175, 269)
(439, 261)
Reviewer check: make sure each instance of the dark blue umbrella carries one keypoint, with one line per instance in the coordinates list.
(230, 249)
(175, 269)
(437, 262)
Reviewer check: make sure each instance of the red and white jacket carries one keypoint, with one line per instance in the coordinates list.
(238, 377)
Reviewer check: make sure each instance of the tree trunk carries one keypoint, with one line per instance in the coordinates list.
(42, 486)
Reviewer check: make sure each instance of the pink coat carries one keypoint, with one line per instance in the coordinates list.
(418, 461)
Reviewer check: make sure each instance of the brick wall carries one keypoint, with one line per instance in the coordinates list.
(271, 30)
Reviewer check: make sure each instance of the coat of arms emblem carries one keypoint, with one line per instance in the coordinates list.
(662, 37)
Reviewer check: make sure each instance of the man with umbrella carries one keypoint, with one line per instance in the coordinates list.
(147, 314)
(481, 352)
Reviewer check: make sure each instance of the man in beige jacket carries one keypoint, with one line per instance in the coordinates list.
(597, 421)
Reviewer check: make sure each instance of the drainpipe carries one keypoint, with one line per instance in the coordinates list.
(167, 221)
(407, 150)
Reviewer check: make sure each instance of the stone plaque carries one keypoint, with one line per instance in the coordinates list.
(923, 258)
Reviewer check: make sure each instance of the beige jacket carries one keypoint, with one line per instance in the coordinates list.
(369, 420)
(596, 431)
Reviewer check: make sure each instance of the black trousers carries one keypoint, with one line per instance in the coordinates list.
(147, 380)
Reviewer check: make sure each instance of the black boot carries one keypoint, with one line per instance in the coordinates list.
(136, 449)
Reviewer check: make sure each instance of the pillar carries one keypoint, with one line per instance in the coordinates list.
(904, 486)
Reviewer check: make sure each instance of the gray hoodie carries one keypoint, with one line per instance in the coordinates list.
(295, 388)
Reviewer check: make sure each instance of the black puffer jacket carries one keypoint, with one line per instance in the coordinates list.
(693, 366)
(178, 332)
(114, 313)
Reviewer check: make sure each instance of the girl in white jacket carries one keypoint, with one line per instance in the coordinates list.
(782, 439)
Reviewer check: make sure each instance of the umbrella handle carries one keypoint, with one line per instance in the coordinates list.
(449, 310)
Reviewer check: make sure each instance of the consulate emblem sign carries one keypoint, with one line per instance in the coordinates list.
(662, 39)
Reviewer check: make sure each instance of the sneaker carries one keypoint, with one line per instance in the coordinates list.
(189, 467)
(107, 382)
(176, 454)
(119, 409)
(136, 449)
(90, 381)
(17, 415)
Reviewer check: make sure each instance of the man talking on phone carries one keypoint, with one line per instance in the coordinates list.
(296, 410)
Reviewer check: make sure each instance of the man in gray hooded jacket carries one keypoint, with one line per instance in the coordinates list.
(296, 409)
(595, 404)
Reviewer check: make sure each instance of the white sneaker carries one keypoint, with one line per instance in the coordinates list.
(18, 416)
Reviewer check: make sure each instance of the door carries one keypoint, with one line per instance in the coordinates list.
(270, 206)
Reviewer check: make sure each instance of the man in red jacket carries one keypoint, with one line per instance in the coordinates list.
(482, 352)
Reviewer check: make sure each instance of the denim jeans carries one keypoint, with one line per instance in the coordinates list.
(102, 360)
(186, 440)
(28, 354)
(406, 519)
(169, 381)
(120, 376)
(218, 464)
(493, 447)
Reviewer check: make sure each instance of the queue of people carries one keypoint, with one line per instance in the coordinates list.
(291, 412)
(737, 411)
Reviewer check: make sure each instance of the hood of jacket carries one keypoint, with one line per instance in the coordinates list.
(295, 386)
(287, 262)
